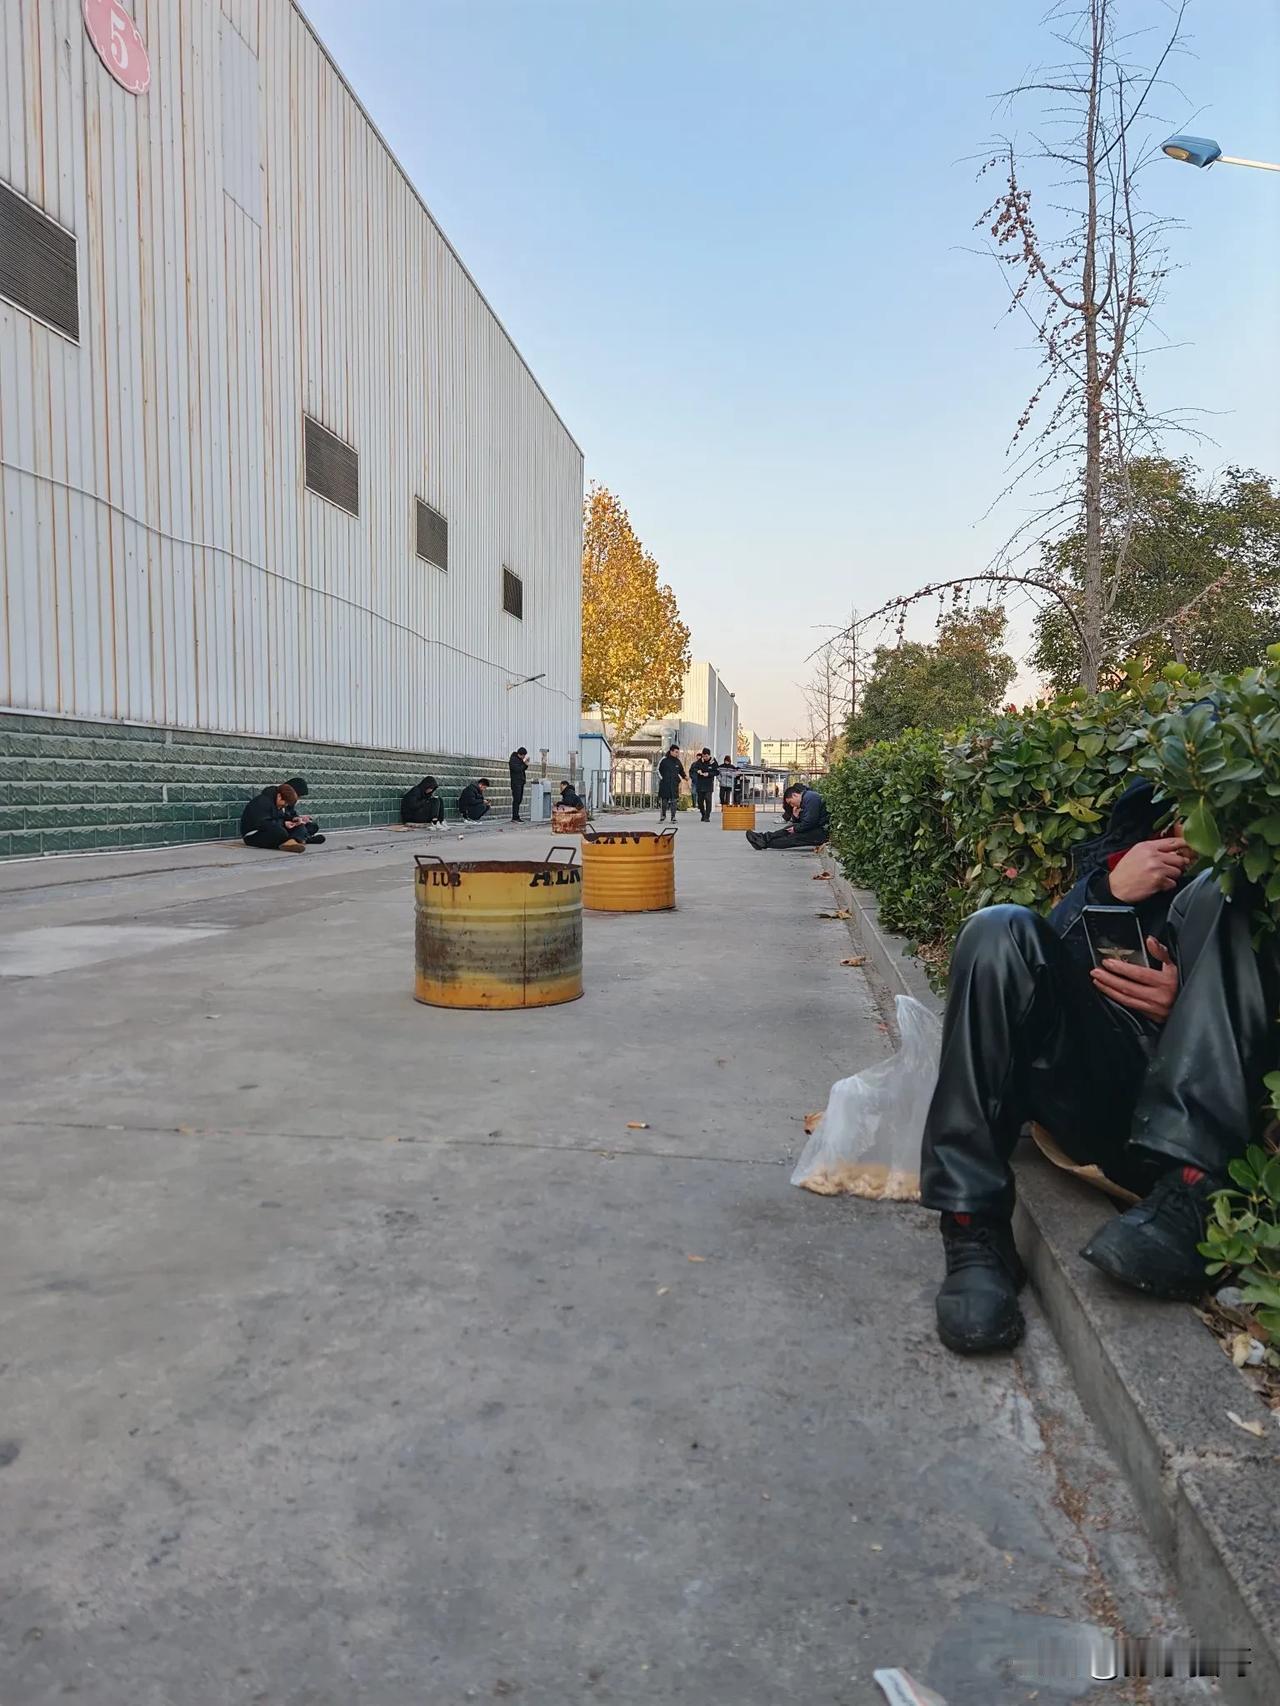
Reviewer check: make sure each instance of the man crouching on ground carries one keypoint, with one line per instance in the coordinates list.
(806, 821)
(1153, 1073)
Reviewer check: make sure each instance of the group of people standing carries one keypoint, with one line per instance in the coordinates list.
(805, 821)
(702, 776)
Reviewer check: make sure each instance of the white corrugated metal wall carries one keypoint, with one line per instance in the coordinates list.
(248, 250)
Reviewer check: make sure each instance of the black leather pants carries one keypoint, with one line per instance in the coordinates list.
(1026, 1037)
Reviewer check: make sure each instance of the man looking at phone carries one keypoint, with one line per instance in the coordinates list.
(1153, 1072)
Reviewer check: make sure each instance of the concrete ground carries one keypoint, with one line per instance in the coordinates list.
(354, 1350)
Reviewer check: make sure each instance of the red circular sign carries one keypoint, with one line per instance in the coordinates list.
(120, 46)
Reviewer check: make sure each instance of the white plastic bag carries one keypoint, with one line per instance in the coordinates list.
(899, 1687)
(867, 1143)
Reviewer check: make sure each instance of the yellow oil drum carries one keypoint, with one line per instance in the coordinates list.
(498, 933)
(737, 817)
(568, 820)
(629, 870)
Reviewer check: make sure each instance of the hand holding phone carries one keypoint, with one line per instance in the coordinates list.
(1136, 974)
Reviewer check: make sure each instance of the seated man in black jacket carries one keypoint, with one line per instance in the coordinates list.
(471, 801)
(570, 798)
(807, 822)
(422, 804)
(1152, 1072)
(270, 820)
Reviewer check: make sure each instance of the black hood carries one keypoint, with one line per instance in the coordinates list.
(1134, 818)
(299, 786)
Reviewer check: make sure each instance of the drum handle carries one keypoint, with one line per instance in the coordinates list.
(561, 847)
(423, 859)
(666, 834)
(589, 834)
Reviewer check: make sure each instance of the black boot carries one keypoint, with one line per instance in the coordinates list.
(1151, 1247)
(978, 1301)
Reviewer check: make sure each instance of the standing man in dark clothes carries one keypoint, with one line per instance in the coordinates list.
(518, 765)
(728, 782)
(308, 828)
(1152, 1072)
(422, 804)
(269, 821)
(471, 801)
(809, 825)
(670, 776)
(702, 774)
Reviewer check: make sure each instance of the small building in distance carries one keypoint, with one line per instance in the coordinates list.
(799, 753)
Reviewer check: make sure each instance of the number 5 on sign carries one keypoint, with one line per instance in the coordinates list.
(119, 44)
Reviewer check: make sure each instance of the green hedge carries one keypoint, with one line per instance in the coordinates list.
(939, 826)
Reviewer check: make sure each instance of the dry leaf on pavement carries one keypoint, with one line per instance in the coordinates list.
(841, 914)
(637, 1125)
(813, 1121)
(857, 960)
(1255, 1428)
(695, 1258)
(821, 877)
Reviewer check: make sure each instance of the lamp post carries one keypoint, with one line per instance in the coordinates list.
(1204, 151)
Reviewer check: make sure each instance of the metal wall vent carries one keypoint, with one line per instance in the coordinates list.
(433, 535)
(512, 594)
(38, 264)
(333, 468)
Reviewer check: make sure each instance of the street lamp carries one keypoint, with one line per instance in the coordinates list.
(1203, 151)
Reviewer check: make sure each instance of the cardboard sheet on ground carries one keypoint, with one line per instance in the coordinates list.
(867, 1143)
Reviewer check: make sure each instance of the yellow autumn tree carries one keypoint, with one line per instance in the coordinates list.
(635, 648)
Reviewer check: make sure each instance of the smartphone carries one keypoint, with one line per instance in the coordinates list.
(1115, 933)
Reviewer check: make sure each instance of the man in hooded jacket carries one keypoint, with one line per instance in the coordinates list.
(1153, 1073)
(422, 803)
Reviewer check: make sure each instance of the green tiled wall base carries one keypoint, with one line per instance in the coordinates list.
(70, 786)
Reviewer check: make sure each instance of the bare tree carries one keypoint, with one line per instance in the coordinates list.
(828, 701)
(1085, 271)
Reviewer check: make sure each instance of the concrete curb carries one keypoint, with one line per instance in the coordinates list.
(1156, 1384)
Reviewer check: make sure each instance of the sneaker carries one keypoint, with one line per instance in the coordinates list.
(977, 1303)
(316, 840)
(1151, 1247)
(293, 846)
(755, 838)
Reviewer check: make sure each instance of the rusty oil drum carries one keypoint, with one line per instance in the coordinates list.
(737, 817)
(498, 933)
(568, 820)
(629, 870)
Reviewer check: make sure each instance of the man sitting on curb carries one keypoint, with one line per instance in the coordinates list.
(1153, 1073)
(269, 820)
(471, 801)
(809, 822)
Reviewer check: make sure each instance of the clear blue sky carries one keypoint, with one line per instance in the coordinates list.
(730, 238)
